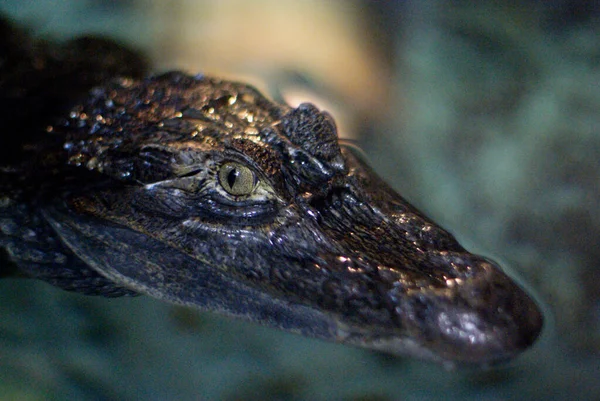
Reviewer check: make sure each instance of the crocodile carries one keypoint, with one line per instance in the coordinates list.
(203, 192)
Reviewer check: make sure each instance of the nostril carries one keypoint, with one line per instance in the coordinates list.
(487, 320)
(476, 337)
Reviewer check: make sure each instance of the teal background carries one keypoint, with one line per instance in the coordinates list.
(488, 121)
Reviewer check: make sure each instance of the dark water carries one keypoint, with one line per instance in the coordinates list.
(487, 118)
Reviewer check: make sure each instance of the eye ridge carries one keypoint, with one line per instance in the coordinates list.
(237, 179)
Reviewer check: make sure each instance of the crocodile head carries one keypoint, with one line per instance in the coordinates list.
(202, 192)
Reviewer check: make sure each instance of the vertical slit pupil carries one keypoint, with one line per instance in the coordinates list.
(232, 177)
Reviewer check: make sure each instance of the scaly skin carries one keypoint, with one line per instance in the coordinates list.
(203, 192)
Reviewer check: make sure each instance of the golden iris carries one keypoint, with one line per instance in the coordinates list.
(237, 179)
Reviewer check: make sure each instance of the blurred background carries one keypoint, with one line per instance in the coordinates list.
(486, 116)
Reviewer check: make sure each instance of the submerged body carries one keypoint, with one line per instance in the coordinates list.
(203, 192)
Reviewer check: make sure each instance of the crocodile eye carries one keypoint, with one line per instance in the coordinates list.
(237, 179)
